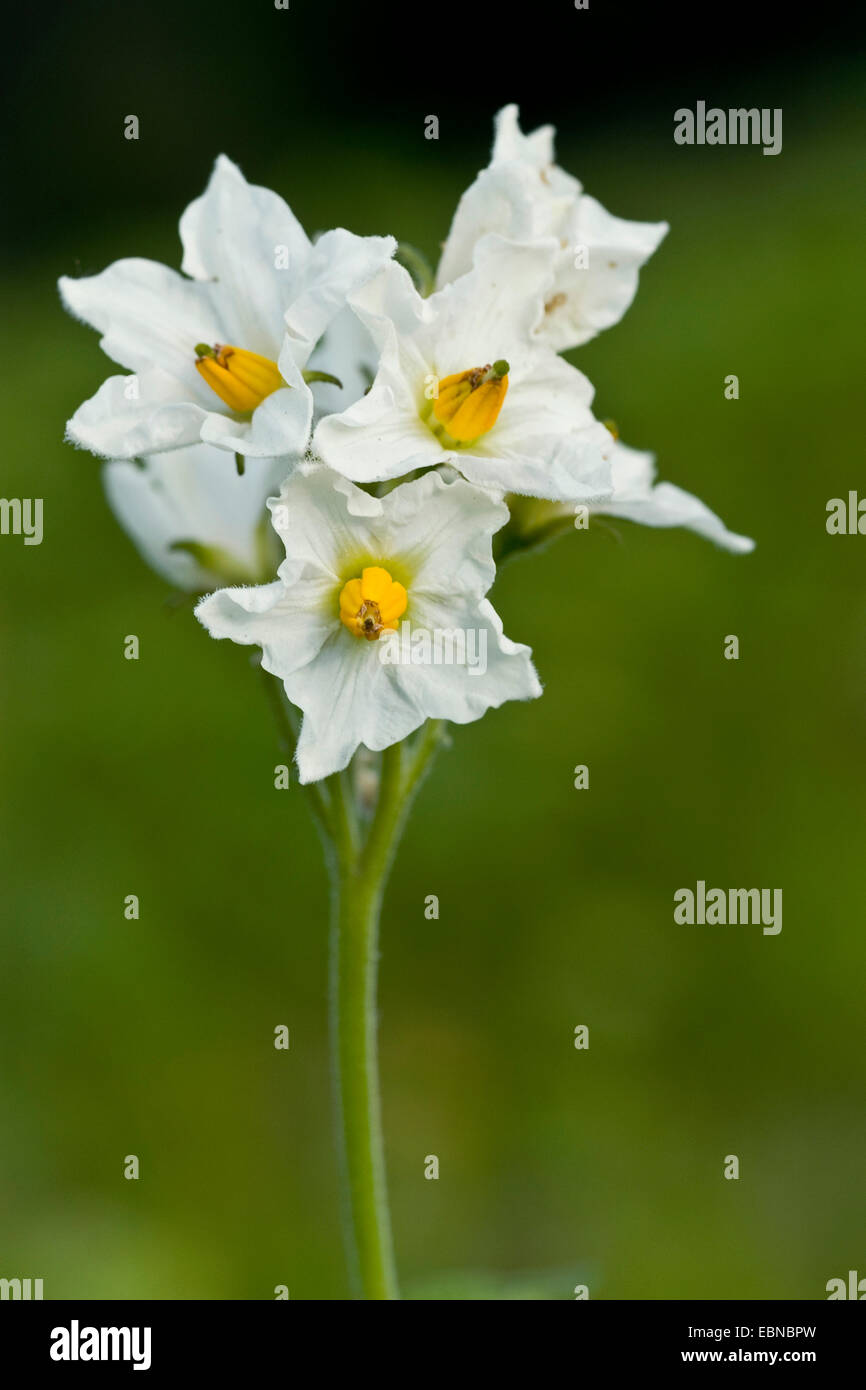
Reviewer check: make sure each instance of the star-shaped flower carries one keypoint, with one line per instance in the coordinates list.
(218, 352)
(462, 380)
(378, 619)
(524, 195)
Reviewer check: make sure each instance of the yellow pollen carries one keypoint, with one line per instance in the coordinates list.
(373, 603)
(241, 379)
(469, 402)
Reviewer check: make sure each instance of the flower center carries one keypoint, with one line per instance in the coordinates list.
(469, 402)
(241, 379)
(373, 603)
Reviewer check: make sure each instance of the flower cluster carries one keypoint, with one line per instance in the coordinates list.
(391, 428)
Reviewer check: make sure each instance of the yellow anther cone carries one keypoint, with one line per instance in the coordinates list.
(468, 403)
(372, 603)
(241, 379)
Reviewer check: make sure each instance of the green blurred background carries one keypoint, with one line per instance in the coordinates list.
(156, 778)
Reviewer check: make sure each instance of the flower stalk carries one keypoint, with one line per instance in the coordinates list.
(360, 844)
(360, 869)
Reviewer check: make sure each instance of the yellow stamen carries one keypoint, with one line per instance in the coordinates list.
(241, 379)
(469, 402)
(373, 603)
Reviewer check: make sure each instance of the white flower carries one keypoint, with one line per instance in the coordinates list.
(524, 195)
(359, 572)
(462, 380)
(636, 497)
(194, 519)
(218, 356)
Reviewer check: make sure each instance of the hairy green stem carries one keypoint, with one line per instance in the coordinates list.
(360, 875)
(359, 850)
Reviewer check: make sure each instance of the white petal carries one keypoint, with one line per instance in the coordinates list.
(148, 518)
(491, 311)
(572, 468)
(590, 297)
(550, 388)
(636, 499)
(348, 352)
(194, 494)
(349, 698)
(134, 415)
(510, 143)
(546, 442)
(504, 200)
(280, 425)
(495, 670)
(376, 438)
(441, 528)
(290, 624)
(397, 318)
(322, 519)
(339, 264)
(522, 195)
(149, 316)
(234, 235)
(382, 435)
